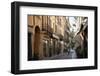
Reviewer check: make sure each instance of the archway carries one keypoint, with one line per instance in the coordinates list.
(36, 43)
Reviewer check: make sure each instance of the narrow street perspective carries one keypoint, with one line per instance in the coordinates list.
(57, 37)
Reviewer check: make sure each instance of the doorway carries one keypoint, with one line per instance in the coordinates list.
(29, 46)
(36, 43)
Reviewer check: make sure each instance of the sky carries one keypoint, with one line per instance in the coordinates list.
(72, 21)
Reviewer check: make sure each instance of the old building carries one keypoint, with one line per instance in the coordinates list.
(46, 36)
(80, 31)
(34, 37)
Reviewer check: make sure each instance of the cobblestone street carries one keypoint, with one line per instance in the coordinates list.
(68, 55)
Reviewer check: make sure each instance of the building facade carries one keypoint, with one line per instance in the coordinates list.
(46, 36)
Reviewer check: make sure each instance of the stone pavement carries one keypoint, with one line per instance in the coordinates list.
(68, 55)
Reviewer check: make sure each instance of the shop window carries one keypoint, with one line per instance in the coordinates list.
(44, 48)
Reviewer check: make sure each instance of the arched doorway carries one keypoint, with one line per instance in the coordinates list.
(36, 43)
